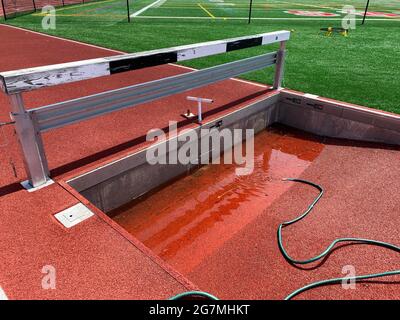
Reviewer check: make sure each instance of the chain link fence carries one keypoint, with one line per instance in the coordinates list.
(14, 8)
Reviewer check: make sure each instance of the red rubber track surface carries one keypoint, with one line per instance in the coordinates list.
(361, 183)
(94, 259)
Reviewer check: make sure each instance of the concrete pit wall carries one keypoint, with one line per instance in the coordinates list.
(122, 181)
(118, 183)
(336, 119)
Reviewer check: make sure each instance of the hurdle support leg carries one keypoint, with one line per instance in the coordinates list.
(279, 67)
(31, 142)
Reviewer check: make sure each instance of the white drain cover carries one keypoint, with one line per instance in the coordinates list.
(73, 215)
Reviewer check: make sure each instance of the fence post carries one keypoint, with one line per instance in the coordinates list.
(31, 142)
(128, 10)
(365, 13)
(280, 65)
(250, 10)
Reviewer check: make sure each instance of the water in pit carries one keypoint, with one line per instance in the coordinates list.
(189, 219)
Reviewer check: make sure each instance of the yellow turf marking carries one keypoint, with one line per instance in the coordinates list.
(208, 12)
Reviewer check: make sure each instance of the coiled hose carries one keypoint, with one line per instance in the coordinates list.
(329, 248)
(313, 259)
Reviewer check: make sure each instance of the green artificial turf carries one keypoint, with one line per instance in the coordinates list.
(362, 68)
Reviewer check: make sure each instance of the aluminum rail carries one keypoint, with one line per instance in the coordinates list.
(64, 113)
(30, 124)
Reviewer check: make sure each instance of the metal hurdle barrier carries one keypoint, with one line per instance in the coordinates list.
(31, 123)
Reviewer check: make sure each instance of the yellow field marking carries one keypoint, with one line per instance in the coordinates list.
(208, 12)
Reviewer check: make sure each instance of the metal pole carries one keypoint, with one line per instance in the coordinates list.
(31, 142)
(199, 111)
(279, 67)
(250, 9)
(127, 8)
(365, 13)
(4, 10)
(34, 5)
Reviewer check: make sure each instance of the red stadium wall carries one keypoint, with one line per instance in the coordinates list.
(13, 8)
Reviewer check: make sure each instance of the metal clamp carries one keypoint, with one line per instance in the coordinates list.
(199, 105)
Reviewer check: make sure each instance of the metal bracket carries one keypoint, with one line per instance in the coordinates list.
(199, 105)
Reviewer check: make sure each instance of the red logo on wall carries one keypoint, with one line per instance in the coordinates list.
(375, 14)
(311, 13)
(380, 14)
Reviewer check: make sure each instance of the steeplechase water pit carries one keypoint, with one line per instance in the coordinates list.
(187, 213)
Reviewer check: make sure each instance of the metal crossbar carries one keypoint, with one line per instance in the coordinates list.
(64, 113)
(31, 123)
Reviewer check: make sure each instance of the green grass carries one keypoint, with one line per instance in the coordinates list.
(362, 68)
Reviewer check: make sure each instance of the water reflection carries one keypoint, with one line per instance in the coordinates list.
(191, 218)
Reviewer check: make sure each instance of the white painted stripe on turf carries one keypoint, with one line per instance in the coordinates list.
(135, 14)
(160, 3)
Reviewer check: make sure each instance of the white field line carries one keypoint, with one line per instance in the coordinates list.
(160, 3)
(135, 14)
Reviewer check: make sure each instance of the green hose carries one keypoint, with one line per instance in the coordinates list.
(194, 293)
(340, 280)
(328, 249)
(316, 258)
